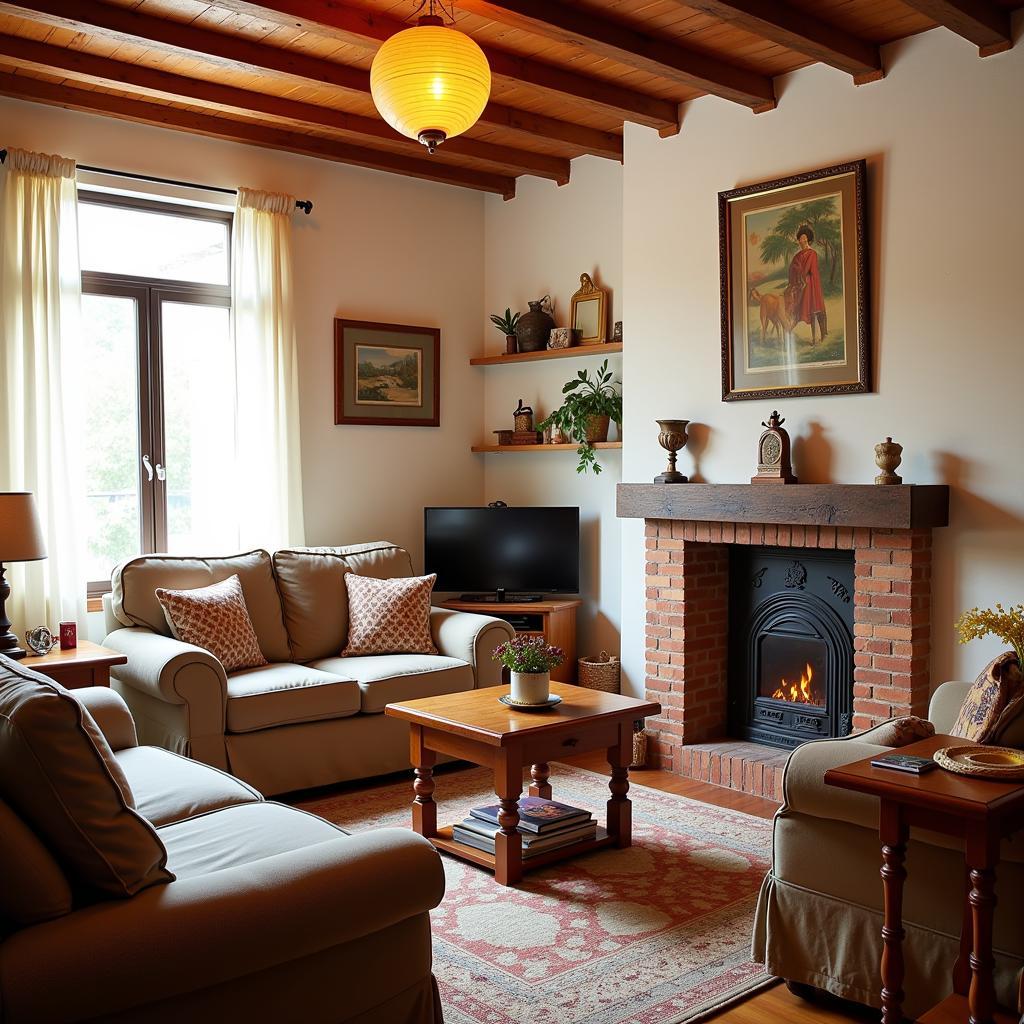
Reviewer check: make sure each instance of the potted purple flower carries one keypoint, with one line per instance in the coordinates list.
(530, 660)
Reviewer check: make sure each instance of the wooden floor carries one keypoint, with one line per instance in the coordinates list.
(776, 1005)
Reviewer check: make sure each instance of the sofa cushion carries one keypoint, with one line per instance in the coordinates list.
(997, 692)
(260, 698)
(389, 616)
(134, 584)
(60, 775)
(33, 886)
(169, 787)
(389, 678)
(236, 836)
(313, 597)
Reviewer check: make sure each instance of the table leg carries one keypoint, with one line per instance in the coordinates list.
(424, 810)
(508, 844)
(540, 785)
(981, 854)
(620, 809)
(962, 966)
(893, 832)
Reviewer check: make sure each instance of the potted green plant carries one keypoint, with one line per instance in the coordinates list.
(507, 325)
(590, 405)
(530, 660)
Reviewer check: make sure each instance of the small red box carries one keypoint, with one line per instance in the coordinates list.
(68, 636)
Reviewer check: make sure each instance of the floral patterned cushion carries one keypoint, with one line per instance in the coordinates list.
(217, 619)
(389, 616)
(901, 731)
(994, 699)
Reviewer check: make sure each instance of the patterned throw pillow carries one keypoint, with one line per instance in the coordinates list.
(216, 618)
(389, 616)
(900, 731)
(994, 698)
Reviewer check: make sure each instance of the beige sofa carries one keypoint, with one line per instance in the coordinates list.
(819, 916)
(310, 717)
(273, 915)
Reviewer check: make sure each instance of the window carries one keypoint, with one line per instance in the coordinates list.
(159, 380)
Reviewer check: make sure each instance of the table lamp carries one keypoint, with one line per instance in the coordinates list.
(21, 540)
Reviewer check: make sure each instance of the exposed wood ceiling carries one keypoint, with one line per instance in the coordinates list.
(567, 74)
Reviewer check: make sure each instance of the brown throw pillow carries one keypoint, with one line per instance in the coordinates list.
(215, 618)
(992, 702)
(900, 731)
(389, 616)
(59, 775)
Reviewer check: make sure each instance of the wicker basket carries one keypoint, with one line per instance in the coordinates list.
(639, 749)
(601, 673)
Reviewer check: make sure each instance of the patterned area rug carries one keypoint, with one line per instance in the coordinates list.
(656, 934)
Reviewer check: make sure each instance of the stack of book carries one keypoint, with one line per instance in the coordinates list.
(543, 824)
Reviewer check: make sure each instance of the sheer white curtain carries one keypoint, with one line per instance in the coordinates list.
(40, 310)
(267, 390)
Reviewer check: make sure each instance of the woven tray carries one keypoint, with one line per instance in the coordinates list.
(1000, 764)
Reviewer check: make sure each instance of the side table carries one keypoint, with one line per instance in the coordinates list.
(979, 812)
(88, 664)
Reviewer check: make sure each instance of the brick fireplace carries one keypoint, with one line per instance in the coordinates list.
(690, 530)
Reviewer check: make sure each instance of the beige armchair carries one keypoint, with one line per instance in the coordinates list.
(819, 915)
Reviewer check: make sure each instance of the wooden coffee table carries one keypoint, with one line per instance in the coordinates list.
(473, 726)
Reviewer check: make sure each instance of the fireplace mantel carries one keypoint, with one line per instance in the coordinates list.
(888, 507)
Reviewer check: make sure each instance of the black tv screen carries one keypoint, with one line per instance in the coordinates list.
(515, 549)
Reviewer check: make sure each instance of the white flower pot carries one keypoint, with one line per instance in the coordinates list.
(530, 687)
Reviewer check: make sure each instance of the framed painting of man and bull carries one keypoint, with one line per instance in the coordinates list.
(794, 286)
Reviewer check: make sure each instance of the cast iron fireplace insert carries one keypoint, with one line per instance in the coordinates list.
(790, 644)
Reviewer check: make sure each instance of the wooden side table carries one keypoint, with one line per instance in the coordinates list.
(977, 811)
(88, 664)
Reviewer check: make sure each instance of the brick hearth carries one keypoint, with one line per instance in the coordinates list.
(687, 638)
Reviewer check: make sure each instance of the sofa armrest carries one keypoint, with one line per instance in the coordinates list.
(471, 638)
(111, 714)
(174, 672)
(199, 932)
(946, 703)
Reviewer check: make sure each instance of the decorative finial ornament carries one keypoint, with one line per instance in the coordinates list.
(773, 458)
(672, 437)
(888, 456)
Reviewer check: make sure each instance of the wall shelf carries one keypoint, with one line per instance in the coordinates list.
(549, 353)
(511, 449)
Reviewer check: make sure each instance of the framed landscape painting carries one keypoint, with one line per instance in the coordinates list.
(794, 286)
(386, 374)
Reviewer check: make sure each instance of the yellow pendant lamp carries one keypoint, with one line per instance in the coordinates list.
(430, 82)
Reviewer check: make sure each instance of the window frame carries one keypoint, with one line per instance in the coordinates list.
(149, 294)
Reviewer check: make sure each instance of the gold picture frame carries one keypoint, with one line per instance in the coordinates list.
(589, 313)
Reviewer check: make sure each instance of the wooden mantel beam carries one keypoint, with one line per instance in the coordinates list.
(118, 74)
(799, 31)
(369, 28)
(589, 31)
(91, 101)
(131, 25)
(980, 21)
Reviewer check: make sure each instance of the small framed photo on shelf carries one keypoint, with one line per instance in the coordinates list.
(386, 375)
(794, 286)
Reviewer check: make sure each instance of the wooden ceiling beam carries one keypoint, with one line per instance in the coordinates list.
(800, 32)
(980, 21)
(118, 74)
(131, 25)
(368, 29)
(61, 95)
(589, 31)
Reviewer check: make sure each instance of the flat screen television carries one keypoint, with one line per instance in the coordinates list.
(503, 550)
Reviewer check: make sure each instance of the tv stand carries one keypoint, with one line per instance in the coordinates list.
(553, 620)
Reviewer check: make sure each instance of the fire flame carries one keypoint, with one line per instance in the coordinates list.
(798, 693)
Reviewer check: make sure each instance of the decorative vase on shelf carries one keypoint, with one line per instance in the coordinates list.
(530, 687)
(888, 456)
(534, 327)
(510, 344)
(597, 429)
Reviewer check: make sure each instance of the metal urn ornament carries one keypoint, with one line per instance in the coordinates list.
(534, 328)
(672, 437)
(773, 459)
(40, 640)
(888, 456)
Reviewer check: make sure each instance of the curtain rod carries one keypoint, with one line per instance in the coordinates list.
(306, 205)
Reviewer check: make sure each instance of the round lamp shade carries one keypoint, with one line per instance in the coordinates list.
(430, 83)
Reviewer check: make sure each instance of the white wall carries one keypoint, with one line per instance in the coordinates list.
(536, 245)
(944, 140)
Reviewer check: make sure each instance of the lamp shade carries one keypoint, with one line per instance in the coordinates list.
(21, 537)
(430, 82)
